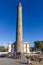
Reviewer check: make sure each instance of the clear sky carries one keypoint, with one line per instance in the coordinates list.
(32, 14)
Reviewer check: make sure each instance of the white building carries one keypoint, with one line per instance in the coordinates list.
(11, 47)
(26, 47)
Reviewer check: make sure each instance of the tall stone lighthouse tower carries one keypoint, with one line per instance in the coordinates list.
(19, 41)
(19, 45)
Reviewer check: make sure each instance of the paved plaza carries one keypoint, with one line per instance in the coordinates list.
(10, 61)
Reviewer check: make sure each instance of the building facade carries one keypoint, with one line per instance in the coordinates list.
(26, 47)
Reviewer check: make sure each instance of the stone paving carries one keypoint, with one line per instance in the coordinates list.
(9, 61)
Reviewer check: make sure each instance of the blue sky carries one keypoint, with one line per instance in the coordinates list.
(32, 15)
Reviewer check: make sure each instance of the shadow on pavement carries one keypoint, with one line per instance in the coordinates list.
(22, 62)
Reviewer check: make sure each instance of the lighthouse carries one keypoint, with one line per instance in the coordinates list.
(19, 40)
